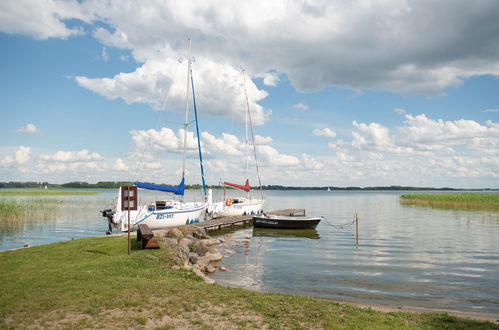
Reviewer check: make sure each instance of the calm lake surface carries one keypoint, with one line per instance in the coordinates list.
(406, 255)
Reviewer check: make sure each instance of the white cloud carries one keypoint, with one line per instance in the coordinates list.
(120, 165)
(310, 163)
(20, 156)
(491, 110)
(271, 157)
(326, 132)
(29, 128)
(399, 111)
(163, 140)
(104, 54)
(159, 83)
(301, 106)
(263, 139)
(42, 19)
(72, 156)
(228, 145)
(315, 44)
(270, 78)
(374, 136)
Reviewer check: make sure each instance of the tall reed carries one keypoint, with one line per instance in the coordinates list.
(24, 192)
(455, 200)
(18, 211)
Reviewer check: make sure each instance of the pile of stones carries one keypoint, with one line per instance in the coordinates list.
(195, 250)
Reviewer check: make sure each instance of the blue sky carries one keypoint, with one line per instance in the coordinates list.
(342, 94)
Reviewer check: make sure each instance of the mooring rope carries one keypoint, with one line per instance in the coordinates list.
(343, 226)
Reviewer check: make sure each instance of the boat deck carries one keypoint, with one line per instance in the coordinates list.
(217, 224)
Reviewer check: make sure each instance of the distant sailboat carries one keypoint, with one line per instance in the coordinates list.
(168, 213)
(328, 189)
(241, 205)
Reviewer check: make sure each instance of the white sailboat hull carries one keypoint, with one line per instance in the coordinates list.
(187, 213)
(246, 207)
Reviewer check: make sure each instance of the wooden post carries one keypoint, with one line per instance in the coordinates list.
(129, 202)
(128, 207)
(356, 229)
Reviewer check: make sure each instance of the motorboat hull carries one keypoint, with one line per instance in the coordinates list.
(285, 222)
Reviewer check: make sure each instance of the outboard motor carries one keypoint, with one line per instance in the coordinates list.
(109, 215)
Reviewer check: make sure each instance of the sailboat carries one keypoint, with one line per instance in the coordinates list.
(161, 214)
(241, 205)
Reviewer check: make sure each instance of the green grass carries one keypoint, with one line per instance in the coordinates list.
(93, 283)
(45, 192)
(476, 201)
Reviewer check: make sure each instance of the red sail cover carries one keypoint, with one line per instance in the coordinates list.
(246, 186)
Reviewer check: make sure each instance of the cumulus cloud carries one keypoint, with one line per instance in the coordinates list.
(19, 157)
(269, 78)
(405, 47)
(72, 156)
(301, 106)
(310, 163)
(120, 165)
(163, 140)
(228, 145)
(29, 128)
(158, 82)
(42, 19)
(326, 132)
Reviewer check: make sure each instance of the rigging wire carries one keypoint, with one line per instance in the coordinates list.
(252, 136)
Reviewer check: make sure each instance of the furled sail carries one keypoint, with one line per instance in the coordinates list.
(177, 190)
(246, 186)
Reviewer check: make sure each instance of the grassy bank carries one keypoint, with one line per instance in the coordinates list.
(45, 192)
(92, 283)
(477, 201)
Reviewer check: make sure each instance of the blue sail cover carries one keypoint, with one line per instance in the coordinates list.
(177, 190)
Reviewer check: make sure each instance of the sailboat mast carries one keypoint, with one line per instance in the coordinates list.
(246, 128)
(186, 107)
(248, 112)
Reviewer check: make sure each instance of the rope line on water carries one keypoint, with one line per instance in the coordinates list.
(343, 226)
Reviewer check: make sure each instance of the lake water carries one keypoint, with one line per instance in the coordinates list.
(406, 255)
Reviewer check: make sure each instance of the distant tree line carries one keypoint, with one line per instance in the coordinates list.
(117, 184)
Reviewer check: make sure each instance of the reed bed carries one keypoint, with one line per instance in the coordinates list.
(45, 192)
(475, 201)
(18, 211)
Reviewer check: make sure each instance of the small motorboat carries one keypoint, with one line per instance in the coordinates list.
(285, 222)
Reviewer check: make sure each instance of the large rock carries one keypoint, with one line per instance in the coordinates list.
(200, 248)
(210, 269)
(174, 233)
(184, 246)
(213, 256)
(211, 241)
(194, 231)
(193, 257)
(202, 262)
(199, 233)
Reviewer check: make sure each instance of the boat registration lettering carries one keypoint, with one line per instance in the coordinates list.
(164, 216)
(268, 222)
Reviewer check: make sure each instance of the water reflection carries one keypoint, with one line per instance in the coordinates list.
(269, 232)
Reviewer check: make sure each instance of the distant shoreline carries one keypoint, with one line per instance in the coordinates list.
(117, 184)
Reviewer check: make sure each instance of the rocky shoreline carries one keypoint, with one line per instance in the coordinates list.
(194, 250)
